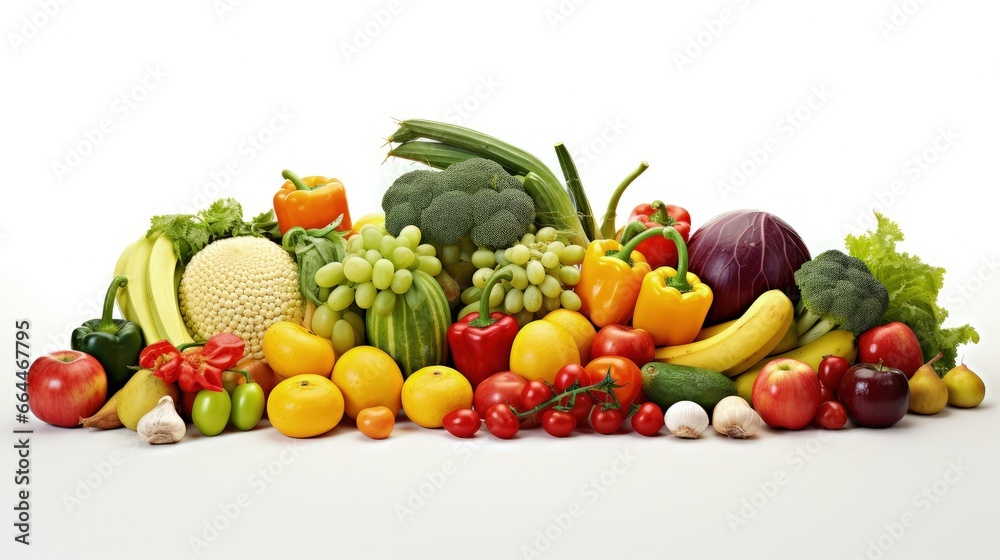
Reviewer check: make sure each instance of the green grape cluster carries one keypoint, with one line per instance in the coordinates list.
(545, 269)
(376, 268)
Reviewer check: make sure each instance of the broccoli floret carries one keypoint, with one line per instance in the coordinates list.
(414, 189)
(837, 291)
(447, 218)
(453, 203)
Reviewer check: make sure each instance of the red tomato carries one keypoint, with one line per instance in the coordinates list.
(826, 395)
(831, 416)
(831, 370)
(606, 421)
(558, 423)
(648, 420)
(624, 372)
(501, 422)
(569, 374)
(581, 406)
(533, 394)
(463, 423)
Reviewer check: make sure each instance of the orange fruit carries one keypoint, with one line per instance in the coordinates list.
(432, 392)
(368, 377)
(291, 349)
(376, 422)
(305, 406)
(579, 327)
(541, 349)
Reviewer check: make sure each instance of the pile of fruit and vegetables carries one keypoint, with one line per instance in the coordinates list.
(485, 291)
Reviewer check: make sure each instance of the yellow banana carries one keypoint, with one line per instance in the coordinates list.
(162, 269)
(709, 332)
(122, 295)
(789, 342)
(137, 305)
(834, 343)
(743, 343)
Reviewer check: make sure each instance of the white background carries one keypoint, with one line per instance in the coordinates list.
(607, 77)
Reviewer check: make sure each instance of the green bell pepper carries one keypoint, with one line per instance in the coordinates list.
(115, 343)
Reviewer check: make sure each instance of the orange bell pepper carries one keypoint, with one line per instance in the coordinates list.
(311, 203)
(611, 277)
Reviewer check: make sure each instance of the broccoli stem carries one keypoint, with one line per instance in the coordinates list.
(805, 321)
(821, 327)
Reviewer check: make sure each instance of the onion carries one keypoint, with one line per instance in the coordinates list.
(742, 254)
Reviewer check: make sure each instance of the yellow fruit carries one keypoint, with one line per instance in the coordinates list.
(305, 406)
(432, 392)
(368, 377)
(965, 388)
(541, 349)
(290, 349)
(579, 327)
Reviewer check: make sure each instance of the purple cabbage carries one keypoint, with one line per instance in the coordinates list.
(742, 254)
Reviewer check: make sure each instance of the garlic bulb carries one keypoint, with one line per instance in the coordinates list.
(734, 418)
(162, 424)
(686, 419)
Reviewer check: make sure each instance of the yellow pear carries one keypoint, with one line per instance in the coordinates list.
(140, 395)
(928, 393)
(965, 388)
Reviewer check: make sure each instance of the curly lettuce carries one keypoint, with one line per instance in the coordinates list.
(913, 287)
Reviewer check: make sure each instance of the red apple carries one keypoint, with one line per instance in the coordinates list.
(894, 345)
(503, 387)
(625, 341)
(875, 396)
(65, 386)
(786, 394)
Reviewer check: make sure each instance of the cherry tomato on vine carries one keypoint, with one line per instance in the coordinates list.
(463, 423)
(533, 394)
(831, 370)
(558, 423)
(831, 416)
(606, 421)
(568, 375)
(247, 406)
(581, 406)
(210, 413)
(501, 421)
(623, 371)
(648, 420)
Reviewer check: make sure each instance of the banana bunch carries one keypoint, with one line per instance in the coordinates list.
(150, 298)
(735, 347)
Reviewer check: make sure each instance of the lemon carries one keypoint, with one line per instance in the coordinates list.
(368, 377)
(541, 349)
(578, 326)
(432, 392)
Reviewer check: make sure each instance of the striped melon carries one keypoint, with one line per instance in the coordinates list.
(415, 334)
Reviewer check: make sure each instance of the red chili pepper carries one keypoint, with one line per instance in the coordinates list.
(660, 251)
(480, 343)
(194, 366)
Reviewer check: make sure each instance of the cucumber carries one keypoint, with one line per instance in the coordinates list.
(666, 384)
(415, 334)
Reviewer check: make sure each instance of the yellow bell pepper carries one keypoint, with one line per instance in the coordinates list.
(611, 277)
(672, 304)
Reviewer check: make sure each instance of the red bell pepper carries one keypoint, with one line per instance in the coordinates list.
(199, 368)
(480, 342)
(660, 251)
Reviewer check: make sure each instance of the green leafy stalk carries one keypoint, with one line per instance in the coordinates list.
(223, 218)
(913, 287)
